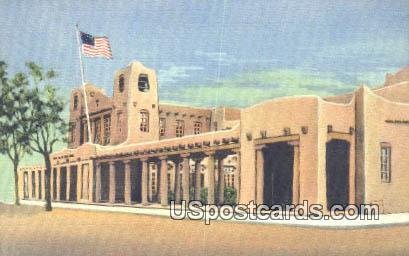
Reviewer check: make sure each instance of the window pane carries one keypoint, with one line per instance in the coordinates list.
(162, 125)
(144, 125)
(107, 129)
(180, 126)
(121, 84)
(385, 164)
(143, 83)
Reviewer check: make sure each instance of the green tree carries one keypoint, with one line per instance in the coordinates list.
(47, 127)
(14, 141)
(230, 196)
(203, 195)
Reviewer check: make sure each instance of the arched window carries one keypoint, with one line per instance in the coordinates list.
(143, 83)
(75, 102)
(144, 125)
(121, 83)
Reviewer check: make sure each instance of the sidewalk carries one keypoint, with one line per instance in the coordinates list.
(384, 219)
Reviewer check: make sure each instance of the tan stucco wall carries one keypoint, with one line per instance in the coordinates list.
(225, 118)
(138, 101)
(341, 117)
(392, 195)
(273, 117)
(359, 117)
(395, 92)
(400, 76)
(103, 107)
(343, 98)
(189, 115)
(128, 103)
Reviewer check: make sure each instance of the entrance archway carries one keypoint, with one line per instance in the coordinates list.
(337, 172)
(278, 173)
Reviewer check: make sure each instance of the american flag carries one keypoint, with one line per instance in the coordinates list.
(97, 46)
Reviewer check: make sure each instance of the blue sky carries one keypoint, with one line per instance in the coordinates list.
(210, 53)
(270, 48)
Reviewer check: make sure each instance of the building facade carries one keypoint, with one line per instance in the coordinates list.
(345, 149)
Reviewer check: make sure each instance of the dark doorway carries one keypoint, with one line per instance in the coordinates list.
(33, 184)
(278, 173)
(40, 185)
(119, 182)
(26, 185)
(73, 184)
(63, 183)
(136, 182)
(337, 170)
(54, 184)
(104, 182)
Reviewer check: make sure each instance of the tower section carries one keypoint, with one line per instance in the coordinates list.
(135, 108)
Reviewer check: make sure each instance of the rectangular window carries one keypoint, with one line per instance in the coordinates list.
(83, 132)
(107, 129)
(162, 126)
(153, 183)
(75, 102)
(71, 131)
(180, 128)
(144, 126)
(197, 127)
(143, 83)
(226, 180)
(385, 163)
(97, 131)
(169, 183)
(119, 122)
(86, 131)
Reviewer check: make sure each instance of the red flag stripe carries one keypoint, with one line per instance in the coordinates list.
(101, 48)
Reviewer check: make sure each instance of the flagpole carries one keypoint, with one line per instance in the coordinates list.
(83, 84)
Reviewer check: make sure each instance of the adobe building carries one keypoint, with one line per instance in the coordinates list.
(345, 149)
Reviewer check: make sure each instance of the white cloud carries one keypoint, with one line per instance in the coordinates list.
(221, 57)
(248, 88)
(176, 73)
(225, 59)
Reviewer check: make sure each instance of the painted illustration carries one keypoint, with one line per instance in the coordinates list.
(204, 127)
